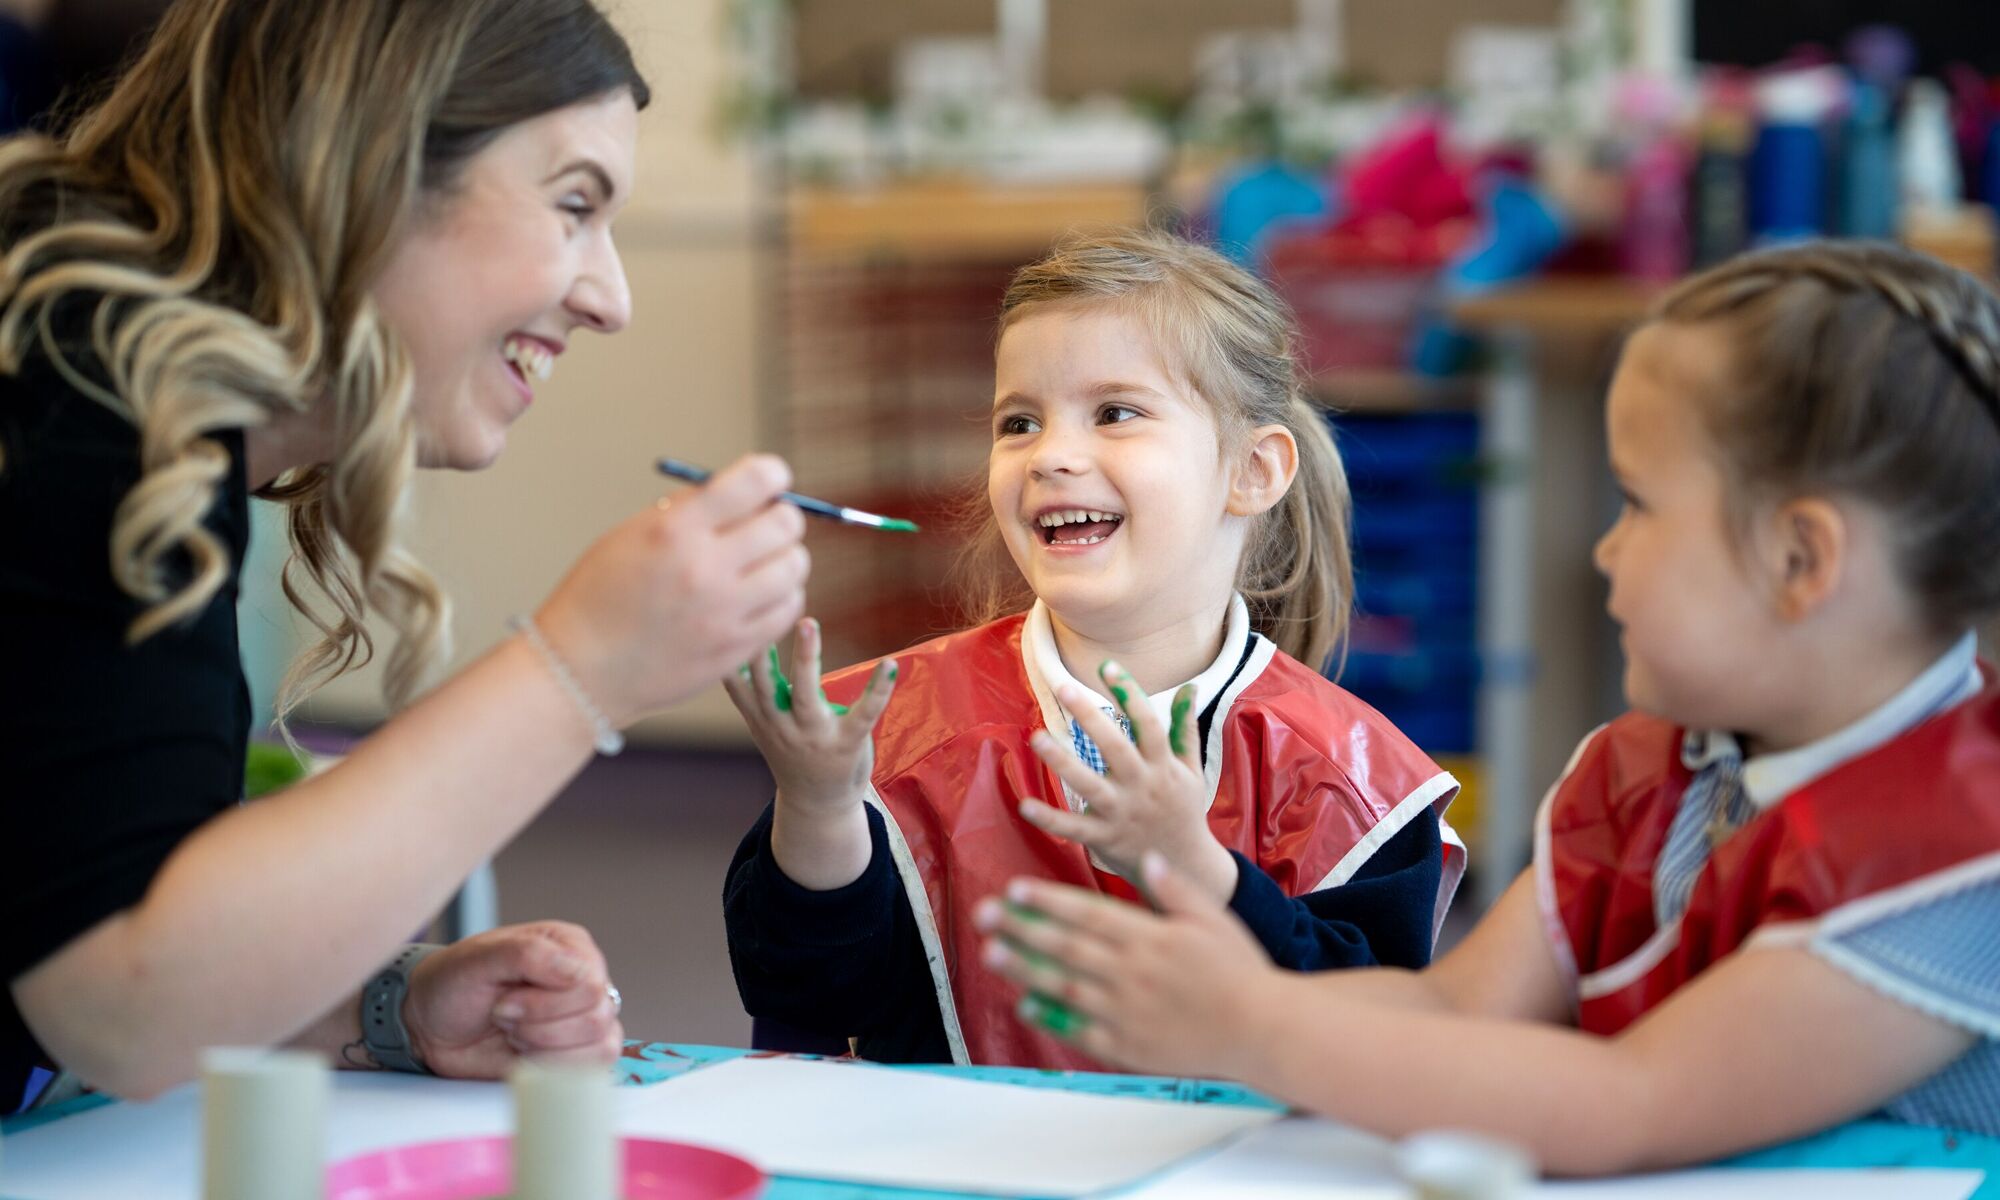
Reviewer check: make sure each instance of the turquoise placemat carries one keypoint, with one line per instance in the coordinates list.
(646, 1063)
(1861, 1143)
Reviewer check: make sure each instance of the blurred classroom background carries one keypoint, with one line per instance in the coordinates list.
(1466, 203)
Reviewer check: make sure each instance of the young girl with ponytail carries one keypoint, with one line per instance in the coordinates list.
(1177, 509)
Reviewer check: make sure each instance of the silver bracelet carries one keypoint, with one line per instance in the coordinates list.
(609, 740)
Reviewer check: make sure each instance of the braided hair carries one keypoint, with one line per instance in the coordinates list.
(1869, 371)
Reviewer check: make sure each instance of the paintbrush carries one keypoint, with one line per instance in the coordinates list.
(818, 508)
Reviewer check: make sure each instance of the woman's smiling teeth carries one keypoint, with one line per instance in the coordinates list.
(534, 359)
(1077, 526)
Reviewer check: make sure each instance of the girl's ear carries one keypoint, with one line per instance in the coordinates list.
(1265, 472)
(1808, 550)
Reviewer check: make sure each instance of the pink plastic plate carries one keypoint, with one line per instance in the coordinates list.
(483, 1169)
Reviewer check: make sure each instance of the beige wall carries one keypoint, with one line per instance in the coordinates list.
(685, 377)
(1403, 43)
(681, 379)
(847, 47)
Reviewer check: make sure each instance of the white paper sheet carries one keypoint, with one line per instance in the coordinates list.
(1297, 1156)
(1881, 1184)
(851, 1122)
(1301, 1157)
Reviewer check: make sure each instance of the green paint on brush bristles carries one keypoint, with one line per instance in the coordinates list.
(899, 525)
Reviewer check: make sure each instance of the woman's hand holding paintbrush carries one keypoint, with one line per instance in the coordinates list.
(818, 508)
(680, 594)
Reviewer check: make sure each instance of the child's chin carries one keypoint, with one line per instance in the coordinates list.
(1076, 605)
(1638, 695)
(1643, 694)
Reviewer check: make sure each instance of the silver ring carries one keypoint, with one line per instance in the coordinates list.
(616, 997)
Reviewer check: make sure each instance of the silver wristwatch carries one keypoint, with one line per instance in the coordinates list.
(382, 1030)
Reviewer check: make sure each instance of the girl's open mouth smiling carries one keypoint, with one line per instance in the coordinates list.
(1077, 526)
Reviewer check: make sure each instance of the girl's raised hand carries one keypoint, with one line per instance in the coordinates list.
(1151, 797)
(820, 753)
(1173, 993)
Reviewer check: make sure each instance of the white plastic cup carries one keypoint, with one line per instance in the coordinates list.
(263, 1124)
(1450, 1165)
(565, 1146)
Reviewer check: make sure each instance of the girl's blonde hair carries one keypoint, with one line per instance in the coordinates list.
(1234, 342)
(196, 253)
(1866, 370)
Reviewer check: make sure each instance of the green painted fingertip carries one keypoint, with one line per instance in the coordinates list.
(1024, 914)
(781, 688)
(1053, 1015)
(1027, 954)
(1124, 699)
(1177, 732)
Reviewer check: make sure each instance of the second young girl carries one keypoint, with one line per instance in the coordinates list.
(1763, 902)
(1179, 513)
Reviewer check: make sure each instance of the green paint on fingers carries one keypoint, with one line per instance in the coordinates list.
(1053, 1015)
(1177, 734)
(781, 689)
(1024, 914)
(1112, 674)
(1033, 957)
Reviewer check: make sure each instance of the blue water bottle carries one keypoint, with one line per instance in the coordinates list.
(1788, 164)
(1868, 172)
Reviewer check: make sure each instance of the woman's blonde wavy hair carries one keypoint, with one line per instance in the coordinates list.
(1236, 342)
(219, 217)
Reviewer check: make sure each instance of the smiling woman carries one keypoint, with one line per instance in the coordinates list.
(492, 282)
(303, 248)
